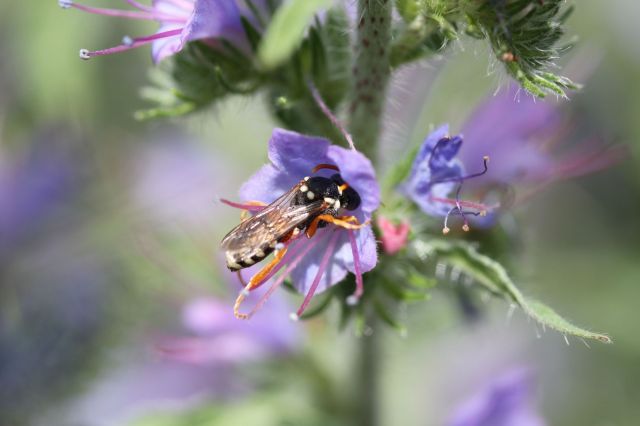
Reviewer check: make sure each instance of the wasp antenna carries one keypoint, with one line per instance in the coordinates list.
(325, 166)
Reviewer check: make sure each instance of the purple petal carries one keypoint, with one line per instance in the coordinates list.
(296, 154)
(511, 133)
(165, 47)
(357, 171)
(367, 250)
(267, 184)
(427, 168)
(213, 19)
(304, 274)
(506, 401)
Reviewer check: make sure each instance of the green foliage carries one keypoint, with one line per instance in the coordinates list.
(199, 76)
(493, 277)
(524, 35)
(286, 31)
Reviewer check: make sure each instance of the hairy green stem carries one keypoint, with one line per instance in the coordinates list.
(370, 74)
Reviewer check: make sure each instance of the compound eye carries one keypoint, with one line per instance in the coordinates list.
(350, 199)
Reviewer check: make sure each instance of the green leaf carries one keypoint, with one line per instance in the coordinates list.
(494, 278)
(287, 30)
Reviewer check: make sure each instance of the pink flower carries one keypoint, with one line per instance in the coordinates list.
(394, 237)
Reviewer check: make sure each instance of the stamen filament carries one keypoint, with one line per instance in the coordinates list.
(140, 5)
(184, 4)
(332, 118)
(357, 294)
(242, 206)
(321, 269)
(290, 267)
(128, 14)
(130, 44)
(485, 161)
(470, 204)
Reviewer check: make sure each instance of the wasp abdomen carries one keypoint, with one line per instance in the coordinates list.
(238, 260)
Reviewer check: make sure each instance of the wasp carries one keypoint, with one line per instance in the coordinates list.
(313, 203)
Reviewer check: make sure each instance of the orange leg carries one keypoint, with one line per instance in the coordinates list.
(256, 281)
(347, 222)
(244, 215)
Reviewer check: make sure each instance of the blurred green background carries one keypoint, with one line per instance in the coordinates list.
(134, 236)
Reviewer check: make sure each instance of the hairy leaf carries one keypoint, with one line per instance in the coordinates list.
(286, 31)
(494, 278)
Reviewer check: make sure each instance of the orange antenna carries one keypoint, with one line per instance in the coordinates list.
(325, 166)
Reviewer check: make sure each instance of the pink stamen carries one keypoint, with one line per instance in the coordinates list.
(132, 44)
(463, 203)
(140, 5)
(184, 4)
(290, 253)
(290, 267)
(129, 14)
(355, 297)
(241, 206)
(321, 268)
(332, 118)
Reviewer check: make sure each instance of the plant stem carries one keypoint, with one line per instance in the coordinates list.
(370, 74)
(368, 363)
(369, 81)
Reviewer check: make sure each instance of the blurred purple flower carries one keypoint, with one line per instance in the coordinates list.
(521, 137)
(218, 338)
(31, 187)
(189, 369)
(435, 173)
(181, 21)
(505, 401)
(318, 263)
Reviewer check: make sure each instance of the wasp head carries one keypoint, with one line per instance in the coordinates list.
(349, 197)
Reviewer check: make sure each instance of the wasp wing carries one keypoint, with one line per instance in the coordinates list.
(256, 237)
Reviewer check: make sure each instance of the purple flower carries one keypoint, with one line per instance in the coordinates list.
(202, 363)
(216, 337)
(181, 21)
(436, 173)
(522, 138)
(519, 137)
(31, 187)
(505, 401)
(316, 264)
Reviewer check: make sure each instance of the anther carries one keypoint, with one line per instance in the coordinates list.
(294, 317)
(465, 227)
(279, 246)
(127, 41)
(352, 300)
(85, 54)
(65, 4)
(445, 230)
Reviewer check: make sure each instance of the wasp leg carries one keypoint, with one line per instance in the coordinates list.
(244, 214)
(256, 281)
(347, 222)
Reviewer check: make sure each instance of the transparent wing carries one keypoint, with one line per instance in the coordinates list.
(272, 223)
